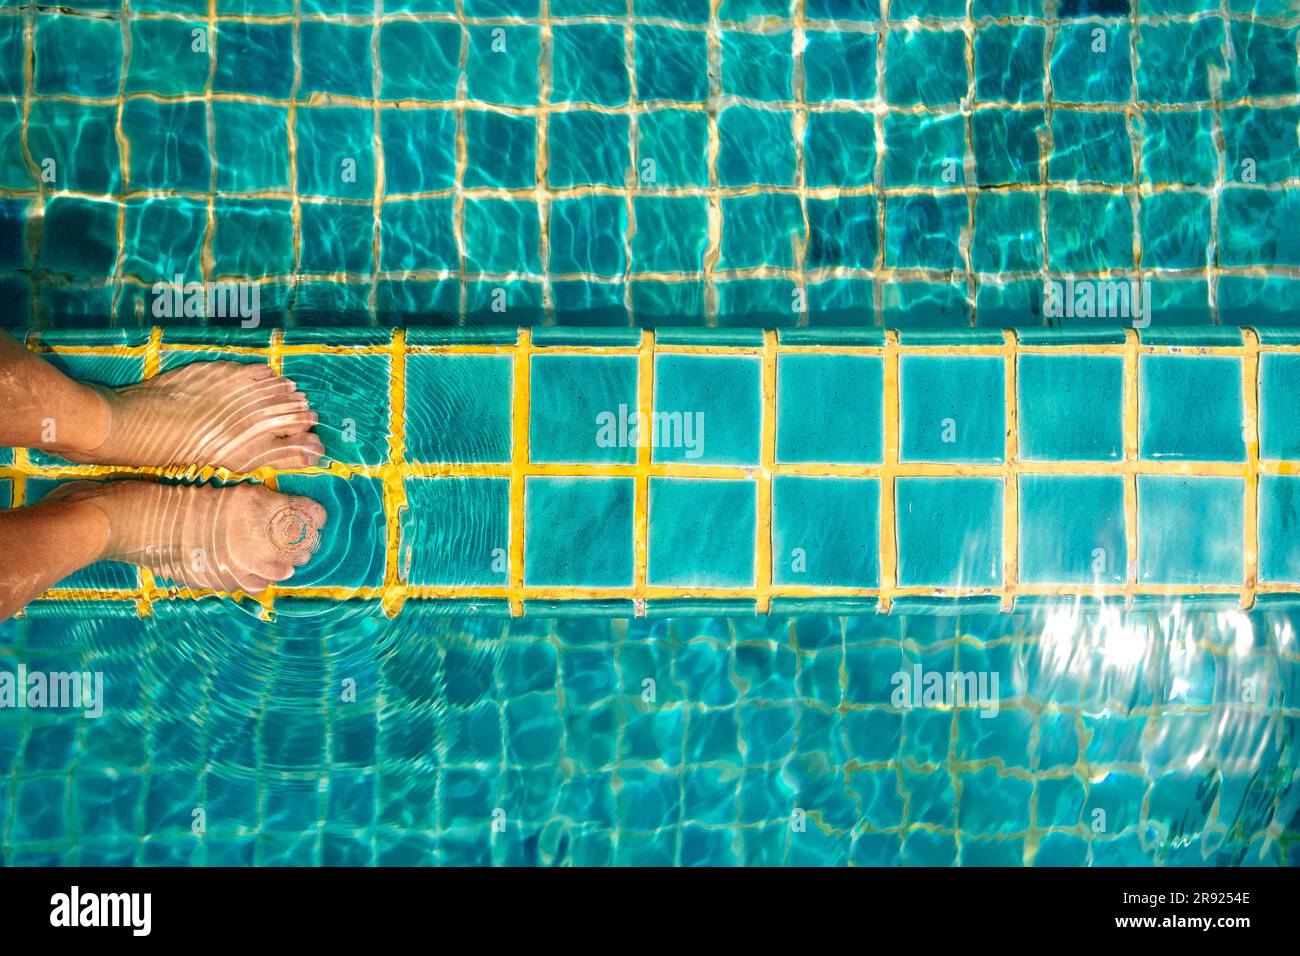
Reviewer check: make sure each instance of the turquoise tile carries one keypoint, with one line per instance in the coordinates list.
(458, 408)
(1253, 227)
(586, 235)
(924, 150)
(671, 64)
(1176, 60)
(829, 408)
(163, 57)
(701, 532)
(1262, 61)
(161, 138)
(1279, 426)
(12, 53)
(840, 149)
(672, 233)
(1090, 148)
(1007, 145)
(164, 237)
(1090, 68)
(839, 66)
(843, 9)
(758, 66)
(842, 302)
(169, 359)
(252, 237)
(520, 300)
(739, 164)
(684, 11)
(502, 236)
(761, 229)
(1169, 385)
(578, 532)
(1089, 231)
(352, 543)
(587, 64)
(1072, 529)
(254, 58)
(78, 56)
(14, 173)
(418, 234)
(707, 409)
(900, 10)
(1261, 145)
(925, 305)
(335, 238)
(949, 532)
(953, 408)
(587, 148)
(251, 146)
(6, 489)
(420, 149)
(579, 302)
(1173, 513)
(1279, 526)
(335, 151)
(501, 149)
(673, 148)
(825, 531)
(925, 67)
(1070, 407)
(1178, 147)
(583, 408)
(667, 303)
(420, 59)
(456, 531)
(1009, 63)
(336, 59)
(350, 394)
(924, 231)
(503, 65)
(75, 144)
(1176, 230)
(1008, 235)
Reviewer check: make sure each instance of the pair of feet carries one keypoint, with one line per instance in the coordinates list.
(220, 414)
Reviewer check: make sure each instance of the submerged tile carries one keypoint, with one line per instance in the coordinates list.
(952, 408)
(1173, 513)
(578, 532)
(701, 532)
(825, 531)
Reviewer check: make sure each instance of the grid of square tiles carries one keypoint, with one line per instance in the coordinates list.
(752, 717)
(561, 472)
(606, 172)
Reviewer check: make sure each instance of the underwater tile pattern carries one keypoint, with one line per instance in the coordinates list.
(558, 471)
(922, 163)
(749, 722)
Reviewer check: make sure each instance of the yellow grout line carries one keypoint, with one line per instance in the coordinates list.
(519, 467)
(888, 469)
(394, 486)
(763, 530)
(1250, 515)
(1131, 463)
(641, 505)
(1011, 483)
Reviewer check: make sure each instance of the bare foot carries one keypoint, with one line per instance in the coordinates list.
(241, 537)
(224, 414)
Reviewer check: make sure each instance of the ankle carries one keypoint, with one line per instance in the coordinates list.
(82, 426)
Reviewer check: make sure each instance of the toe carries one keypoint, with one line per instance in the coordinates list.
(257, 371)
(318, 514)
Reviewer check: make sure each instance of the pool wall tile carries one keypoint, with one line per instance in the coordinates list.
(813, 490)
